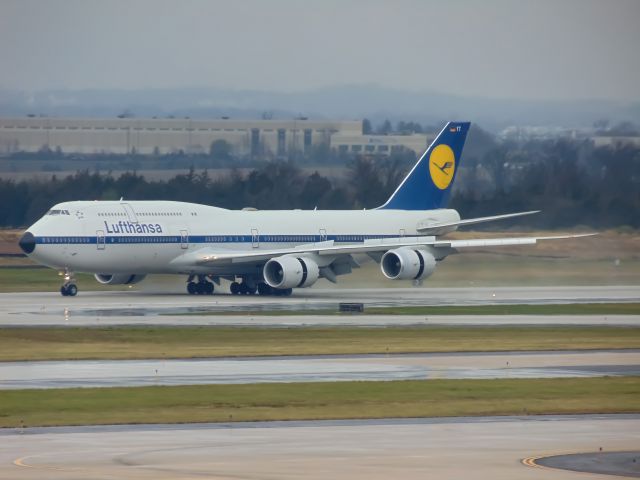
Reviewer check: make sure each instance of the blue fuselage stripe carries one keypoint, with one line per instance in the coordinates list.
(160, 239)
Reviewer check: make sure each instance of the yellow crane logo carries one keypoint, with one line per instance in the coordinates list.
(442, 165)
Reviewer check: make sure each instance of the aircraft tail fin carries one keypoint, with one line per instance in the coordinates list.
(428, 184)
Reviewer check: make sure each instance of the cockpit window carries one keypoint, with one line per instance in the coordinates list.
(58, 212)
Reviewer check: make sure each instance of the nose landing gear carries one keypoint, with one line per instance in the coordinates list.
(70, 290)
(69, 287)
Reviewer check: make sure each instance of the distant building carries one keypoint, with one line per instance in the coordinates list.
(525, 133)
(615, 141)
(380, 144)
(599, 138)
(247, 138)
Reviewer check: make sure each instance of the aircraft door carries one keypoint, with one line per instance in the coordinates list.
(255, 238)
(100, 240)
(323, 235)
(184, 239)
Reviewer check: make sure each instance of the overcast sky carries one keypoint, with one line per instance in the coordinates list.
(538, 49)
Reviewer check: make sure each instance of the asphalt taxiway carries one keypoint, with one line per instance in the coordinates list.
(329, 368)
(139, 307)
(625, 464)
(480, 448)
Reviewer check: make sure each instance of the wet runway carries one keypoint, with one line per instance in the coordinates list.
(480, 448)
(118, 373)
(134, 307)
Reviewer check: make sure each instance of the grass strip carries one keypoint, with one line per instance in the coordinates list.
(139, 342)
(313, 401)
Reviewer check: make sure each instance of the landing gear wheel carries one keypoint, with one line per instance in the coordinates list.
(264, 289)
(70, 290)
(204, 288)
(200, 288)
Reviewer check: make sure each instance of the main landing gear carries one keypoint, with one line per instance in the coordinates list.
(201, 287)
(267, 290)
(69, 287)
(247, 286)
(251, 287)
(242, 288)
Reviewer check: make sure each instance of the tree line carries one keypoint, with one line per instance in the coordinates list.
(573, 182)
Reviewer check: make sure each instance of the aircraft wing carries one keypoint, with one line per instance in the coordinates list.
(209, 256)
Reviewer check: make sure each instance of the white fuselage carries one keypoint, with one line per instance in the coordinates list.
(144, 237)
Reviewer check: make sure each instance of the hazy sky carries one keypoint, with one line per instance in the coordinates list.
(526, 49)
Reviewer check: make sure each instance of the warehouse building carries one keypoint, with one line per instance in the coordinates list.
(357, 144)
(250, 138)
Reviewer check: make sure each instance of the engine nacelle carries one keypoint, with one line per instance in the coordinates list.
(407, 264)
(291, 272)
(119, 278)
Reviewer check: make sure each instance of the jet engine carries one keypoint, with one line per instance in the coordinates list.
(119, 278)
(407, 264)
(290, 272)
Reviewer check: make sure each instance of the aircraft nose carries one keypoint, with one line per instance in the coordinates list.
(27, 243)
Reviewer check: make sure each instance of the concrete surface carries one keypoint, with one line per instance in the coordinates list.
(480, 448)
(117, 373)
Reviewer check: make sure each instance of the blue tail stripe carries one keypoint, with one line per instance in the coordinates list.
(428, 185)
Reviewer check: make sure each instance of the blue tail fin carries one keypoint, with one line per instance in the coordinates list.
(428, 184)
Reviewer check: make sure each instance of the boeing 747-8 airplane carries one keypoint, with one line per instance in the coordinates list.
(269, 252)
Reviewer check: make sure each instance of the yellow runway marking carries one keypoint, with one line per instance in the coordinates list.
(531, 462)
(20, 462)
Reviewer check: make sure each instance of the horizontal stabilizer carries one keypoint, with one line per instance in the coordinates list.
(439, 228)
